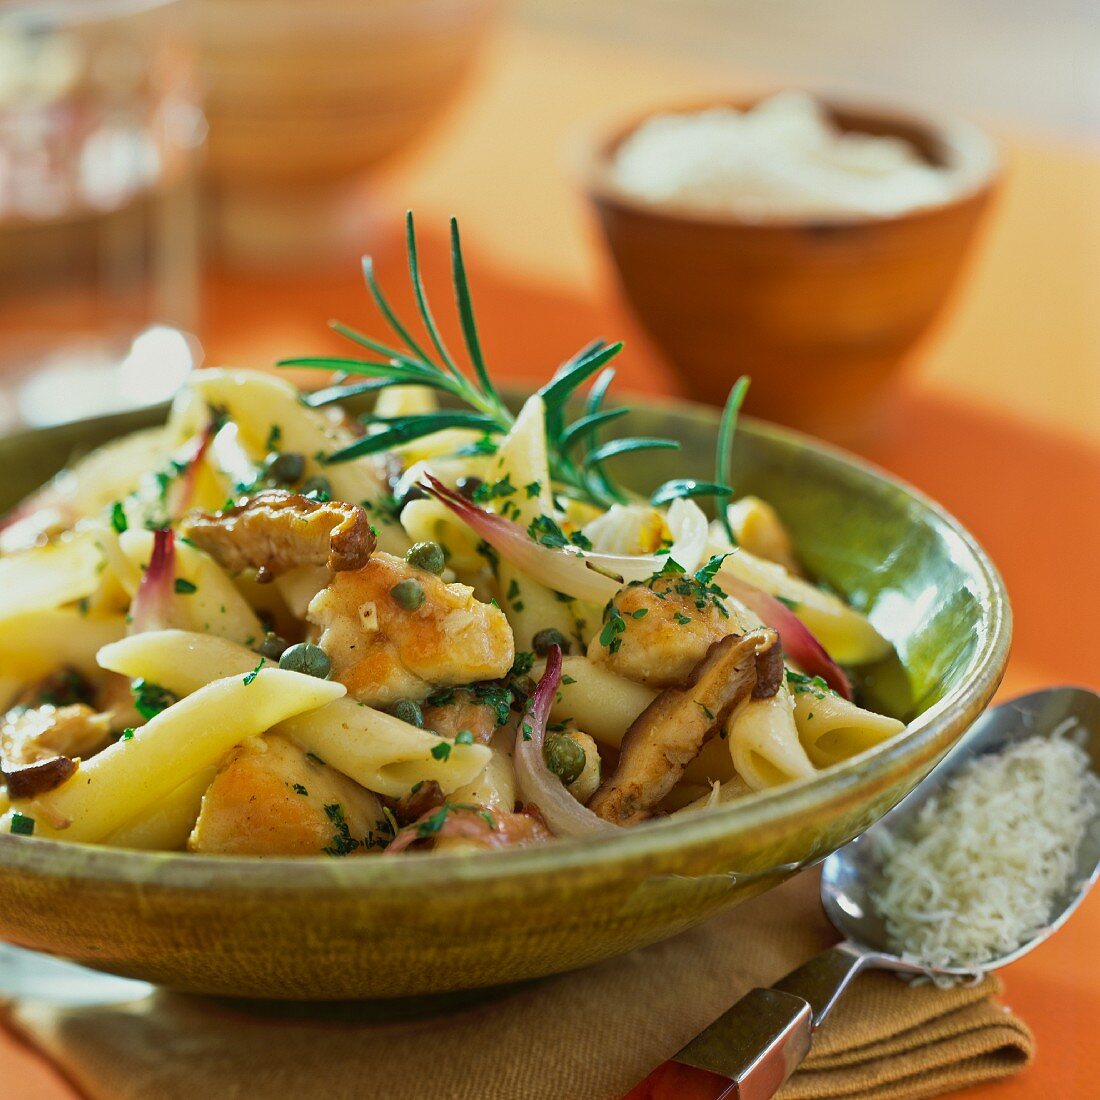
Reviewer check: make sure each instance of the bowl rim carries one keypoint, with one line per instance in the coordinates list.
(966, 142)
(977, 682)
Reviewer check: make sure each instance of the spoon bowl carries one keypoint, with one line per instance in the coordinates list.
(849, 877)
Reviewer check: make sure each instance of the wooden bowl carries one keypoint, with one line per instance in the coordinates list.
(328, 929)
(305, 96)
(820, 312)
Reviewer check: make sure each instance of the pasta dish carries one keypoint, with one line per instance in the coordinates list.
(270, 627)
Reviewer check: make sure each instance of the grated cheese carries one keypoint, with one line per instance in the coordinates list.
(989, 855)
(782, 157)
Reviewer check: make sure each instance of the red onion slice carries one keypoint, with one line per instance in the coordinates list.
(797, 640)
(152, 606)
(182, 492)
(538, 785)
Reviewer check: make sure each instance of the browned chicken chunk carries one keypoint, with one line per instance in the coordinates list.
(669, 733)
(463, 712)
(396, 632)
(270, 799)
(274, 532)
(660, 629)
(38, 745)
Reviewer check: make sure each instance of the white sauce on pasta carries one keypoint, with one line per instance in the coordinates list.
(989, 855)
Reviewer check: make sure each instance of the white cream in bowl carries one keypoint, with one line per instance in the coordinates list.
(783, 157)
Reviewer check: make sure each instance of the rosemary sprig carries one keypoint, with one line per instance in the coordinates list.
(724, 456)
(577, 457)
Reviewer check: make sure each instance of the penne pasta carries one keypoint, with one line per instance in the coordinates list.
(764, 745)
(831, 729)
(599, 702)
(129, 777)
(377, 750)
(210, 602)
(165, 826)
(34, 644)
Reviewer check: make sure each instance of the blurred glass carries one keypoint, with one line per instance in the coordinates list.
(100, 130)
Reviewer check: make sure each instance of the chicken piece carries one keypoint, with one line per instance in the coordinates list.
(270, 798)
(386, 647)
(464, 712)
(655, 632)
(39, 745)
(669, 733)
(275, 531)
(454, 826)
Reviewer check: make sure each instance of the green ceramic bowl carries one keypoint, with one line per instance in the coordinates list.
(378, 928)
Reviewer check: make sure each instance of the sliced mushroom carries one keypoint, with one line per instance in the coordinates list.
(421, 800)
(669, 733)
(38, 745)
(31, 780)
(274, 532)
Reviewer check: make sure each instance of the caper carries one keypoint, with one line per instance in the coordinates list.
(318, 487)
(308, 659)
(272, 647)
(286, 468)
(564, 757)
(408, 594)
(408, 710)
(427, 556)
(544, 639)
(467, 486)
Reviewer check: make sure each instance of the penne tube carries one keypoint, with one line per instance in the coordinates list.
(494, 787)
(212, 604)
(377, 750)
(50, 576)
(166, 826)
(831, 729)
(34, 644)
(130, 777)
(843, 631)
(599, 702)
(764, 745)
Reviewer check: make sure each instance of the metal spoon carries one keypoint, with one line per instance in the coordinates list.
(754, 1047)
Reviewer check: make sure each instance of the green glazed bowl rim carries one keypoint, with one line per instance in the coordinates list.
(926, 736)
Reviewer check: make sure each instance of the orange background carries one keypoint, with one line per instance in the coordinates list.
(997, 418)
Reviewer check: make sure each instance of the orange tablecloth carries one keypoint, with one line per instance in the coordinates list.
(997, 419)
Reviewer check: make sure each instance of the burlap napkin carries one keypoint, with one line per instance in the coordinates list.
(592, 1034)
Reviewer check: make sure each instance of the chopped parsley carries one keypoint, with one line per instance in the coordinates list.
(21, 824)
(791, 605)
(532, 489)
(127, 734)
(494, 490)
(274, 437)
(186, 588)
(802, 684)
(705, 709)
(299, 789)
(342, 843)
(432, 825)
(547, 533)
(118, 517)
(612, 628)
(641, 613)
(683, 620)
(441, 751)
(150, 699)
(255, 672)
